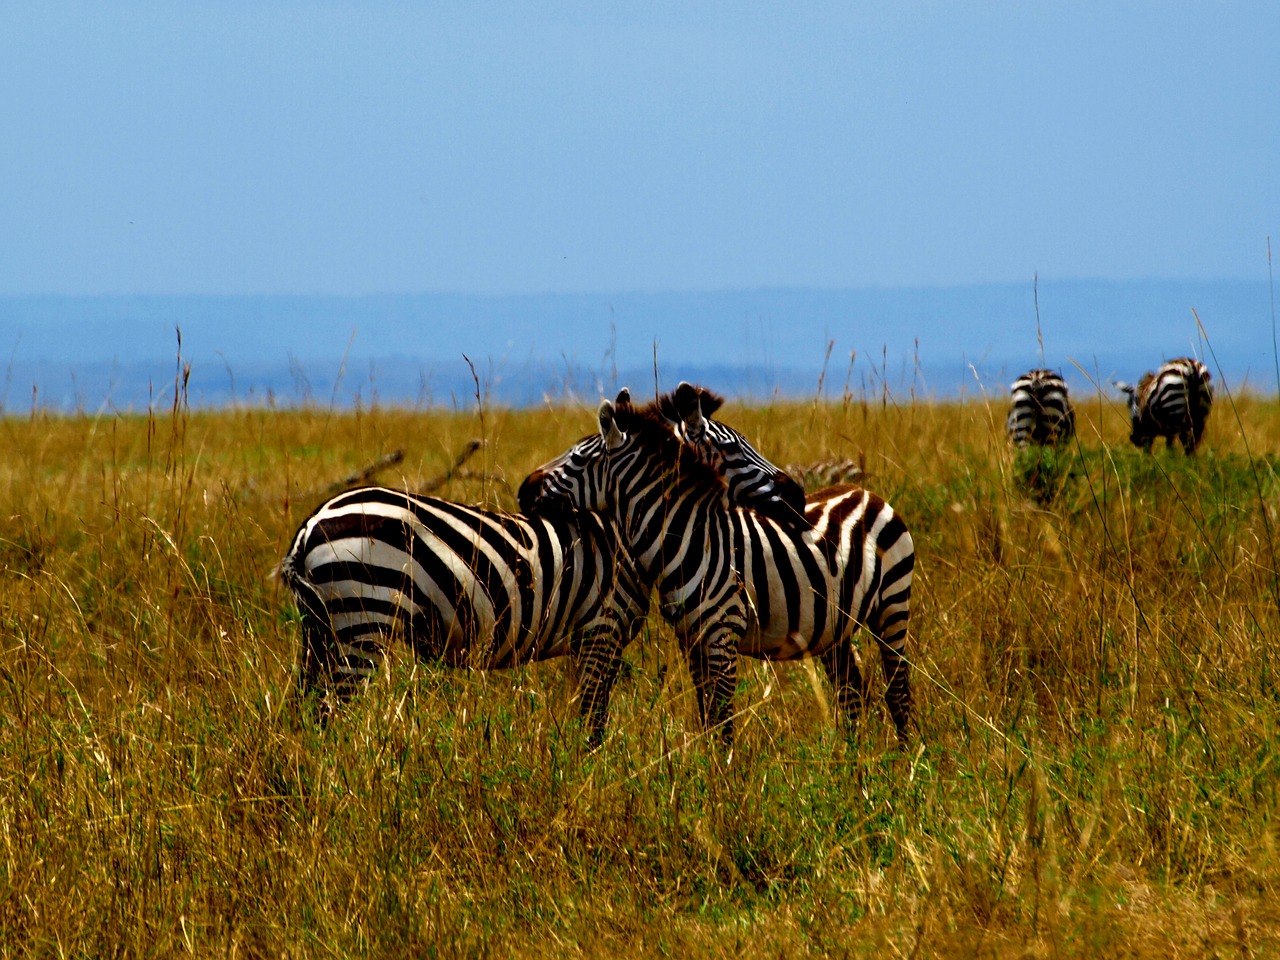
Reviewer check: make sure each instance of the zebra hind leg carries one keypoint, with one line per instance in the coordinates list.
(714, 667)
(897, 695)
(1191, 439)
(841, 662)
(318, 656)
(597, 659)
(330, 671)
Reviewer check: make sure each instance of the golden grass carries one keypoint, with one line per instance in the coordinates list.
(1095, 677)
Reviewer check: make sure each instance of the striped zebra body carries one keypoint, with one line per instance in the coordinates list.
(1174, 401)
(1040, 410)
(810, 590)
(463, 586)
(770, 584)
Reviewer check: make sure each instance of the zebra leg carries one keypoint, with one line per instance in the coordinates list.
(318, 656)
(597, 658)
(713, 664)
(841, 662)
(897, 695)
(332, 663)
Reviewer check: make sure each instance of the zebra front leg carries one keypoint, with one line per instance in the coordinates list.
(713, 664)
(843, 670)
(597, 658)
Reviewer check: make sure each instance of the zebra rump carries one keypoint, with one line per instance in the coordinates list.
(462, 586)
(1040, 411)
(1174, 401)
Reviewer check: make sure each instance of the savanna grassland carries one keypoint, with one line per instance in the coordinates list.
(1095, 638)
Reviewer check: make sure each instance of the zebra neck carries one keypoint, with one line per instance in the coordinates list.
(661, 525)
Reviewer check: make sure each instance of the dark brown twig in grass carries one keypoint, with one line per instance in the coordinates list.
(371, 470)
(452, 473)
(366, 473)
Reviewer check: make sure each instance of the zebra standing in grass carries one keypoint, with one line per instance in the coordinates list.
(1040, 412)
(1174, 401)
(473, 587)
(461, 585)
(780, 586)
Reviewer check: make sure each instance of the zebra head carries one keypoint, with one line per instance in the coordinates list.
(671, 444)
(1131, 396)
(752, 480)
(1136, 394)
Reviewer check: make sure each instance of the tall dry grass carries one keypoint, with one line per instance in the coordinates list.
(1094, 640)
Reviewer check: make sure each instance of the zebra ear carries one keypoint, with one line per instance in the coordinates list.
(689, 403)
(613, 437)
(622, 410)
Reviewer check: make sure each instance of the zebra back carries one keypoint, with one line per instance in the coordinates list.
(1173, 401)
(461, 585)
(1040, 410)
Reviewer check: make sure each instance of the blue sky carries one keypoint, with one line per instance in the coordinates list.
(497, 148)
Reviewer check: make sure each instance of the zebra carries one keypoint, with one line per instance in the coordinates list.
(1040, 412)
(461, 585)
(826, 473)
(773, 586)
(474, 587)
(1174, 401)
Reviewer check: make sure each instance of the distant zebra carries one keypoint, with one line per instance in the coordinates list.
(1040, 411)
(732, 580)
(1172, 402)
(826, 473)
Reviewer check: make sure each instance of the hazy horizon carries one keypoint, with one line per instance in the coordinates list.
(84, 352)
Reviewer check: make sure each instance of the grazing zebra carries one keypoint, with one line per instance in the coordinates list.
(733, 580)
(1040, 411)
(1172, 402)
(480, 588)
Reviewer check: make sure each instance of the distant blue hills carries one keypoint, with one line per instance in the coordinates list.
(122, 353)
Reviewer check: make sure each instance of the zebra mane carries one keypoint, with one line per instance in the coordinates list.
(675, 405)
(666, 409)
(656, 421)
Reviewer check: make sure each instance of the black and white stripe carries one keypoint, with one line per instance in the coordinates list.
(1174, 401)
(463, 586)
(1040, 410)
(771, 584)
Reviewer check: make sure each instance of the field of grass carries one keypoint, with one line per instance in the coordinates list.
(1095, 639)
